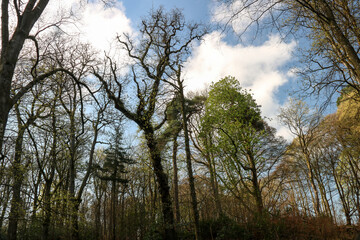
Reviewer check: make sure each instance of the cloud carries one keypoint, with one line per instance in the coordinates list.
(91, 21)
(101, 25)
(240, 14)
(258, 68)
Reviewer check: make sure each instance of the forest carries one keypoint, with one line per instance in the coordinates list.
(94, 146)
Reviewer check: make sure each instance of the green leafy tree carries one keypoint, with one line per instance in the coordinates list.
(245, 146)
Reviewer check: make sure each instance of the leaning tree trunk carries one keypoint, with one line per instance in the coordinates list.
(4, 113)
(10, 51)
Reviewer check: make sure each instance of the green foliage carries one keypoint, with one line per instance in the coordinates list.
(192, 105)
(154, 232)
(244, 147)
(228, 104)
(233, 116)
(344, 94)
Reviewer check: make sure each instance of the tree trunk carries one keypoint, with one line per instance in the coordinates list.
(163, 185)
(324, 199)
(49, 180)
(10, 51)
(256, 187)
(213, 179)
(18, 173)
(97, 221)
(105, 216)
(316, 200)
(72, 176)
(188, 161)
(113, 208)
(4, 113)
(47, 210)
(5, 201)
(175, 180)
(311, 178)
(75, 220)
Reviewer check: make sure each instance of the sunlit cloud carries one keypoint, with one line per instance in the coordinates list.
(91, 21)
(258, 68)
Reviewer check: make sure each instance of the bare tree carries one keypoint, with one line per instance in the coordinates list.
(18, 166)
(163, 37)
(303, 124)
(11, 46)
(331, 60)
(13, 40)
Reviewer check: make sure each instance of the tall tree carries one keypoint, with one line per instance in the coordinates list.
(175, 127)
(332, 27)
(163, 37)
(247, 148)
(13, 38)
(113, 170)
(303, 124)
(185, 113)
(11, 46)
(203, 143)
(18, 166)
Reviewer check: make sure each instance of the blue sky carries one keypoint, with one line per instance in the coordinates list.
(194, 10)
(263, 66)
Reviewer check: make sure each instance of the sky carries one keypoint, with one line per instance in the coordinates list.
(264, 67)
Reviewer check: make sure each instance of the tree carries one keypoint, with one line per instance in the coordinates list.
(203, 143)
(303, 124)
(247, 148)
(329, 150)
(113, 170)
(27, 14)
(343, 129)
(10, 50)
(18, 166)
(175, 127)
(13, 39)
(332, 27)
(185, 115)
(164, 36)
(76, 61)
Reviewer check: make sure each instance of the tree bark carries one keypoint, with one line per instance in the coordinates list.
(214, 183)
(10, 52)
(255, 183)
(5, 201)
(175, 180)
(163, 185)
(18, 171)
(188, 160)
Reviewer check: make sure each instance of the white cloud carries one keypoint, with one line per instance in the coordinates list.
(256, 67)
(240, 14)
(101, 25)
(91, 21)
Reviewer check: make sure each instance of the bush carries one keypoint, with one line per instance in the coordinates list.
(154, 232)
(222, 228)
